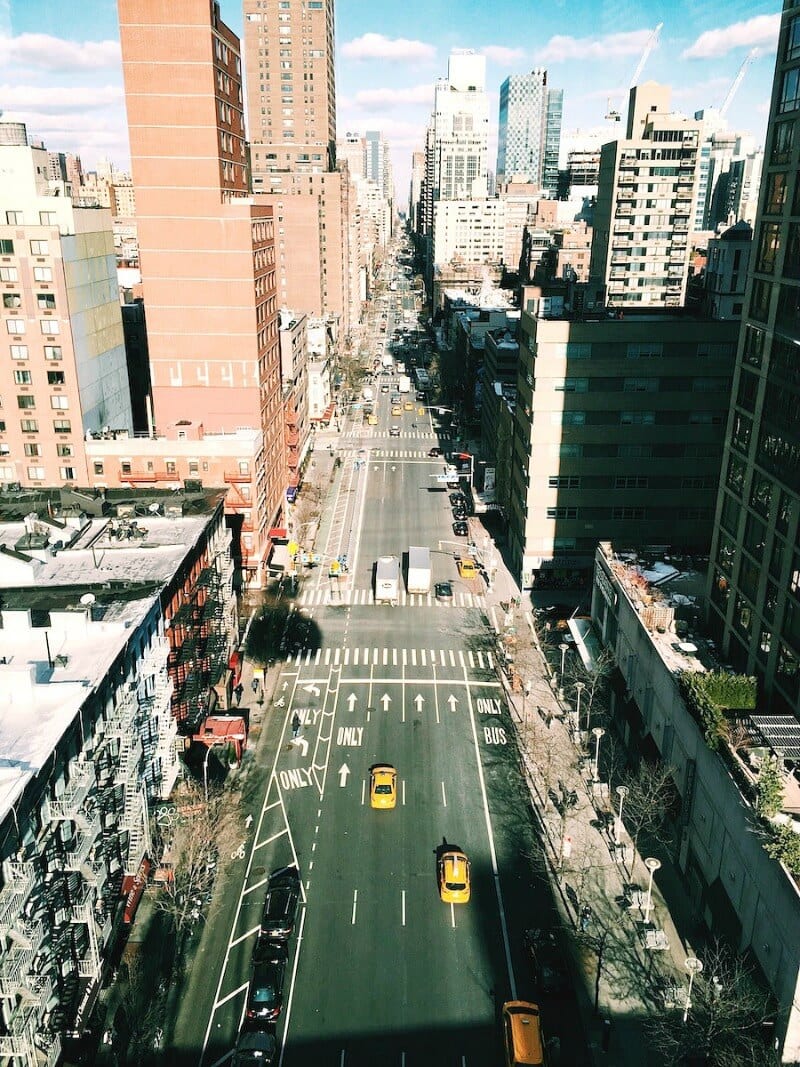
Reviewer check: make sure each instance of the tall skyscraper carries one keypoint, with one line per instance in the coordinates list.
(754, 577)
(291, 112)
(529, 130)
(645, 208)
(207, 252)
(291, 85)
(460, 128)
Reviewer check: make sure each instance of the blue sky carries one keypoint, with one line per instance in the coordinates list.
(60, 68)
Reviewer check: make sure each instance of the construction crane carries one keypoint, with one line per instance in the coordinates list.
(737, 81)
(613, 115)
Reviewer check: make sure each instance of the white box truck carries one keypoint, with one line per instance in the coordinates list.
(404, 384)
(419, 570)
(367, 393)
(387, 580)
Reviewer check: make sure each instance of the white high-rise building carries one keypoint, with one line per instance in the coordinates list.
(460, 124)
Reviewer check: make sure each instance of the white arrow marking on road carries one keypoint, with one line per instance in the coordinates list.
(351, 700)
(301, 743)
(247, 822)
(344, 772)
(285, 686)
(419, 700)
(311, 688)
(452, 701)
(386, 701)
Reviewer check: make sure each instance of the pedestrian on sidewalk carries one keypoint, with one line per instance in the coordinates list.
(238, 691)
(586, 918)
(295, 724)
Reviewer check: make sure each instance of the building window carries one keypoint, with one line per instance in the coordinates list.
(170, 466)
(46, 301)
(62, 426)
(55, 377)
(650, 350)
(26, 402)
(753, 345)
(32, 450)
(792, 38)
(572, 385)
(641, 385)
(571, 418)
(125, 466)
(22, 377)
(63, 451)
(637, 418)
(36, 474)
(99, 470)
(768, 247)
(15, 326)
(563, 482)
(562, 513)
(632, 481)
(59, 403)
(8, 274)
(19, 351)
(12, 300)
(52, 352)
(579, 350)
(50, 326)
(39, 248)
(776, 193)
(29, 425)
(627, 513)
(67, 473)
(48, 218)
(43, 274)
(759, 299)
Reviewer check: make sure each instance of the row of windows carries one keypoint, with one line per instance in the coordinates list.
(27, 402)
(638, 418)
(639, 451)
(54, 377)
(36, 474)
(49, 327)
(38, 248)
(17, 218)
(44, 301)
(625, 513)
(20, 353)
(638, 350)
(33, 450)
(11, 274)
(641, 385)
(32, 426)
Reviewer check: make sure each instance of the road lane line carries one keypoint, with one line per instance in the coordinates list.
(461, 660)
(355, 657)
(256, 885)
(452, 658)
(244, 937)
(346, 657)
(385, 657)
(363, 791)
(403, 791)
(233, 993)
(403, 906)
(292, 983)
(424, 657)
(453, 915)
(355, 907)
(444, 795)
(492, 850)
(491, 660)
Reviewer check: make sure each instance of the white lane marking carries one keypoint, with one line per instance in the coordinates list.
(403, 791)
(453, 915)
(233, 993)
(292, 983)
(452, 658)
(403, 907)
(385, 657)
(363, 792)
(244, 937)
(492, 850)
(444, 795)
(355, 657)
(355, 907)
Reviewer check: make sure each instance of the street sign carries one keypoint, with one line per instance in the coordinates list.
(292, 548)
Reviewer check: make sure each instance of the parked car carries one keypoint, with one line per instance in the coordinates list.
(460, 528)
(265, 992)
(280, 904)
(547, 961)
(255, 1048)
(443, 591)
(435, 451)
(456, 498)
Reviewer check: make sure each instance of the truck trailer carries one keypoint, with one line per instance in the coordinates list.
(404, 384)
(419, 570)
(387, 580)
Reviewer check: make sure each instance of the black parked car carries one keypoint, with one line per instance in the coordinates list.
(265, 994)
(255, 1048)
(280, 904)
(548, 961)
(460, 528)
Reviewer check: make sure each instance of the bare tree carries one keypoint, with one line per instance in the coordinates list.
(596, 683)
(728, 1021)
(206, 833)
(651, 794)
(143, 1009)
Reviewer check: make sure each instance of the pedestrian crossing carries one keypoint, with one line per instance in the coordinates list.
(354, 597)
(372, 432)
(393, 657)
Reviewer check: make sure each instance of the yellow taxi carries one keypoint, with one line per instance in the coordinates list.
(522, 1034)
(453, 872)
(408, 406)
(382, 786)
(397, 410)
(466, 568)
(372, 420)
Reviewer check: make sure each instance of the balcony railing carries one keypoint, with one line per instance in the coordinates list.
(75, 857)
(69, 804)
(19, 881)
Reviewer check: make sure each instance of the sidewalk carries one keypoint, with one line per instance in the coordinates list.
(587, 867)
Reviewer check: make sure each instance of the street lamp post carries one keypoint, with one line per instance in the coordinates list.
(693, 966)
(205, 772)
(579, 687)
(653, 865)
(622, 792)
(563, 650)
(598, 732)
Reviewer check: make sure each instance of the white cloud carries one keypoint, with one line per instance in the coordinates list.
(395, 50)
(56, 99)
(613, 45)
(40, 50)
(386, 98)
(760, 31)
(504, 57)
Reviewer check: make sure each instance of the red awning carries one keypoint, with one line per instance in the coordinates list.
(133, 885)
(277, 533)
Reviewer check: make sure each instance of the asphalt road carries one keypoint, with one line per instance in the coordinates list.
(380, 970)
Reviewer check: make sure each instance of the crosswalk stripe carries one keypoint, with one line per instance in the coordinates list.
(424, 657)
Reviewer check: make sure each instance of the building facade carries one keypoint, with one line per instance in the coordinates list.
(460, 124)
(754, 581)
(619, 426)
(62, 340)
(207, 251)
(529, 130)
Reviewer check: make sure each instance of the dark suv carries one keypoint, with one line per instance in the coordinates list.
(280, 904)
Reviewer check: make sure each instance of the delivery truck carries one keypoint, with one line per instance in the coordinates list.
(404, 384)
(387, 580)
(419, 570)
(367, 394)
